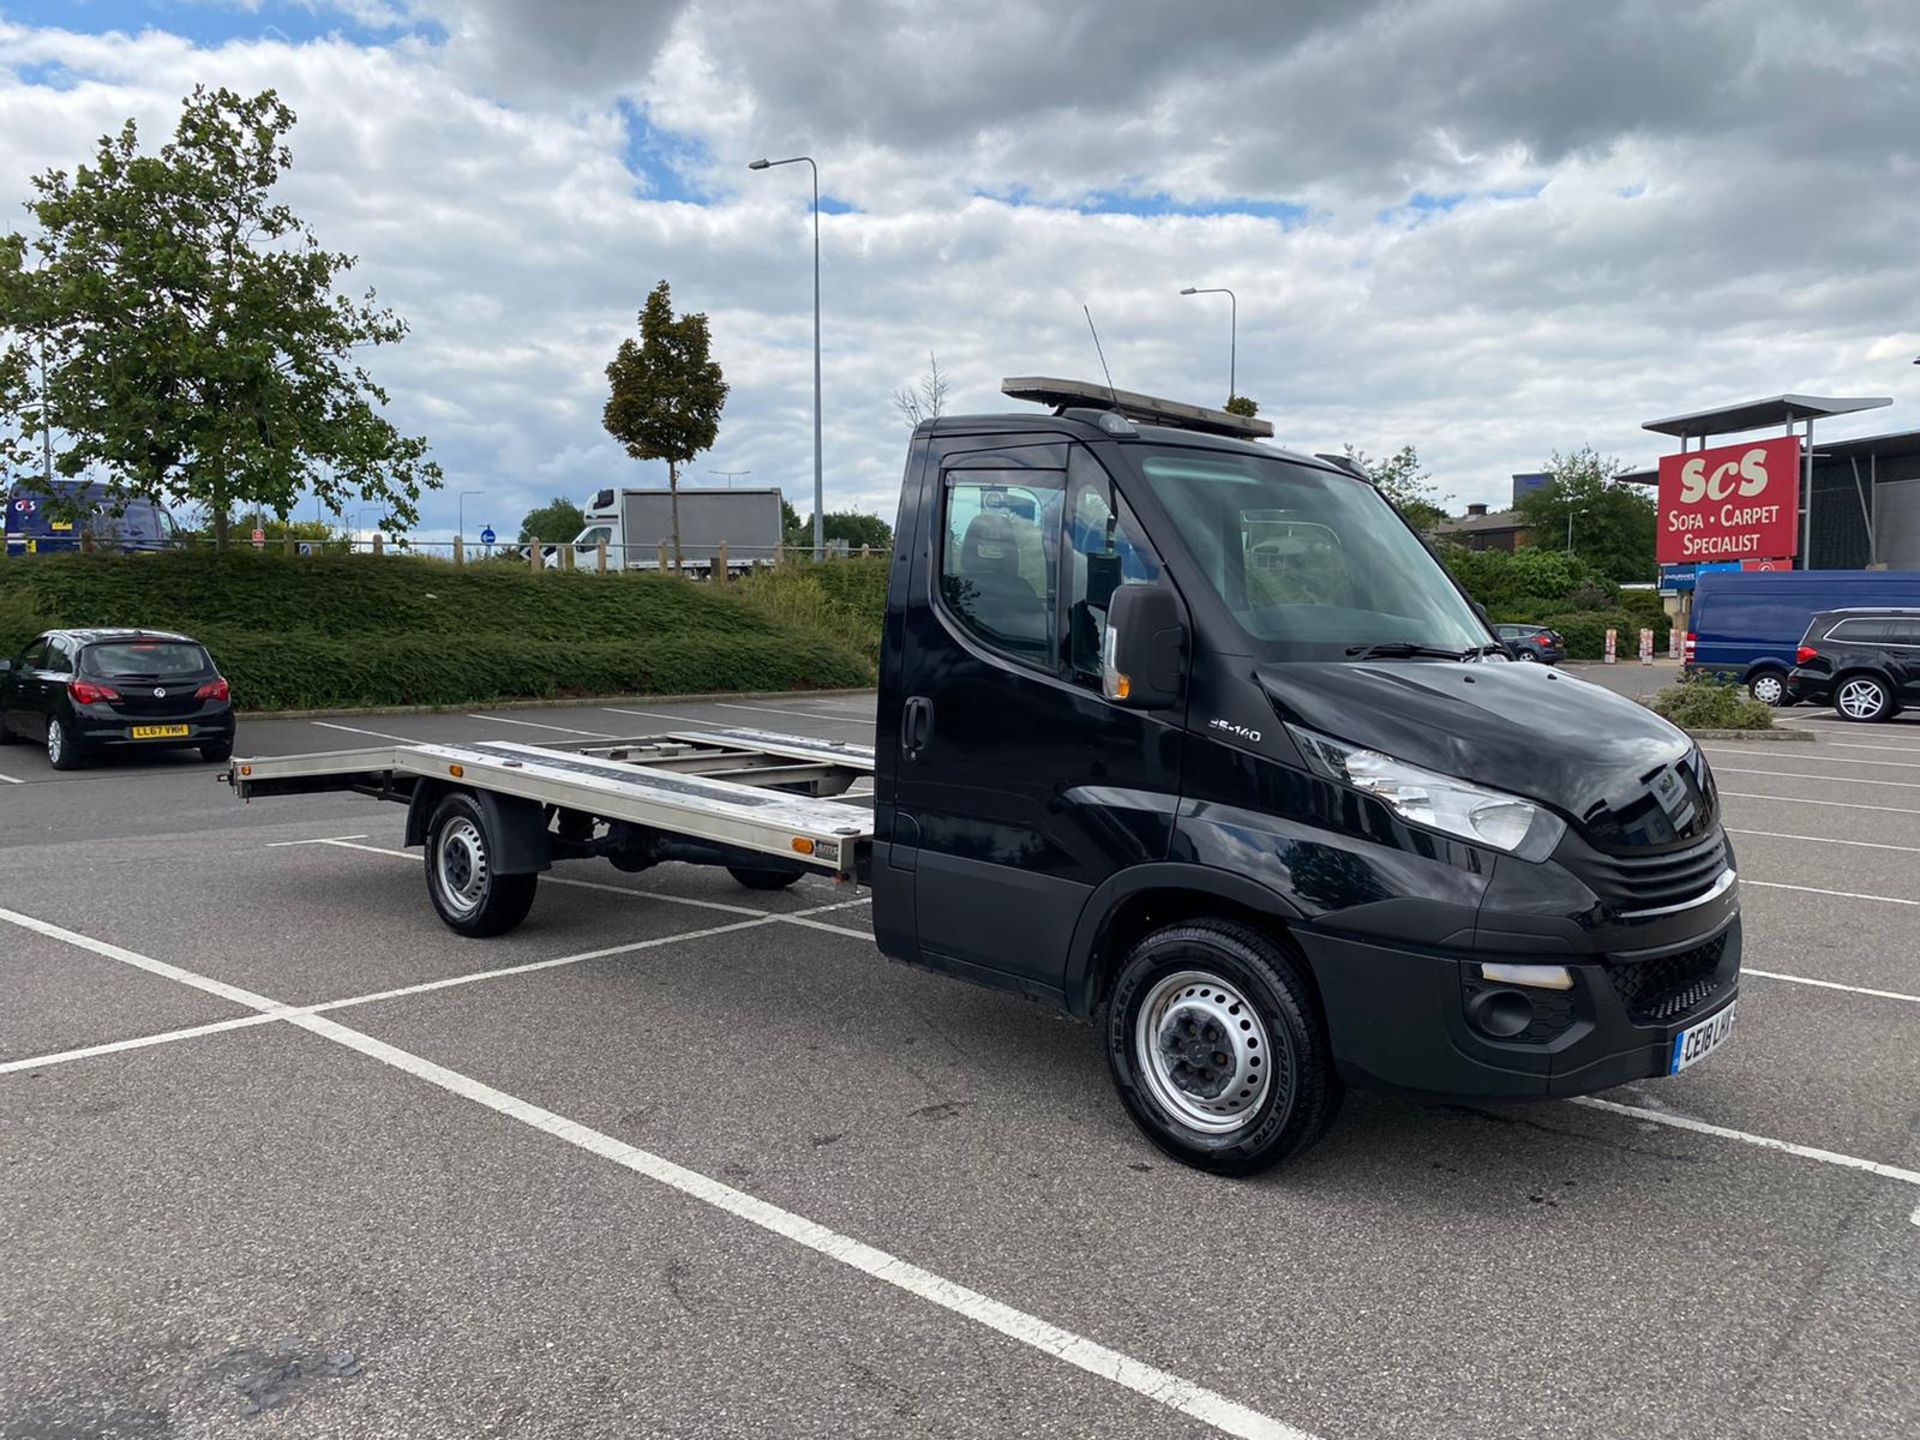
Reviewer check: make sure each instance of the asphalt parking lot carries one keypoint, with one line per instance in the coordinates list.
(280, 1154)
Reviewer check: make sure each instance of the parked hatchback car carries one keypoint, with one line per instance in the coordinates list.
(83, 692)
(1865, 663)
(1533, 642)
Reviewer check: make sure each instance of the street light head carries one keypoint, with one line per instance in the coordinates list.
(1189, 291)
(759, 164)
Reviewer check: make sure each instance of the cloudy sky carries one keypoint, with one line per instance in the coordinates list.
(1488, 228)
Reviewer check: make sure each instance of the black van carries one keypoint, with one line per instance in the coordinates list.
(1197, 735)
(1864, 662)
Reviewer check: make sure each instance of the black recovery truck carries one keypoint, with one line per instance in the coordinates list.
(1191, 737)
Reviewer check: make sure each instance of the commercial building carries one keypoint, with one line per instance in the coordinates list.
(1786, 500)
(1479, 530)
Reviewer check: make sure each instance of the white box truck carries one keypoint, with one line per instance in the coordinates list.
(634, 523)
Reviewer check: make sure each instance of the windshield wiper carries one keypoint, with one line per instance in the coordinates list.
(1405, 650)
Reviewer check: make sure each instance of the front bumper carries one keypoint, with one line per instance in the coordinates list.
(1400, 1018)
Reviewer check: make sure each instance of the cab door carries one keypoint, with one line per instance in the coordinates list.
(1021, 786)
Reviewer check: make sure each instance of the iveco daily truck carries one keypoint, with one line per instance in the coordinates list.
(1191, 737)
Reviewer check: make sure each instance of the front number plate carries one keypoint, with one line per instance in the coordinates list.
(1696, 1042)
(159, 732)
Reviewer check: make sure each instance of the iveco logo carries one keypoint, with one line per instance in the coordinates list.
(159, 694)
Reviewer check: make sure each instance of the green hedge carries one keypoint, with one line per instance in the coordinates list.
(1700, 702)
(359, 630)
(1585, 632)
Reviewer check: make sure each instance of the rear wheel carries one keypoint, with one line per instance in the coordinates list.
(1769, 687)
(1218, 1049)
(61, 753)
(1862, 697)
(471, 896)
(763, 879)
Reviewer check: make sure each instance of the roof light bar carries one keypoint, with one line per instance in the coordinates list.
(1148, 409)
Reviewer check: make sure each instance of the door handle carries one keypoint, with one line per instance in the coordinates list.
(916, 726)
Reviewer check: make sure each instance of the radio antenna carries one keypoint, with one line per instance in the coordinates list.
(1111, 395)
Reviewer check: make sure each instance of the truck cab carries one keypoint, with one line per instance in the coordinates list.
(1193, 736)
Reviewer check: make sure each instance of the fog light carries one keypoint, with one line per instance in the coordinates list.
(1543, 977)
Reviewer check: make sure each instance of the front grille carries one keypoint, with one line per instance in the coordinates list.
(1655, 991)
(1648, 882)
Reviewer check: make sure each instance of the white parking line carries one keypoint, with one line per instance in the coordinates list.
(1746, 970)
(1827, 840)
(1837, 894)
(536, 725)
(798, 714)
(1160, 1386)
(1764, 1142)
(1823, 779)
(1861, 745)
(1816, 759)
(658, 715)
(13, 780)
(376, 734)
(1836, 804)
(317, 840)
(165, 1037)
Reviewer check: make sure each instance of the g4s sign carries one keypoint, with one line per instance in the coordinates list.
(1735, 502)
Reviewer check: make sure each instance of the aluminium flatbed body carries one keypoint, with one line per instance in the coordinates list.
(752, 800)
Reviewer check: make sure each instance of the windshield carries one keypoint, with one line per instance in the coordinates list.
(1312, 564)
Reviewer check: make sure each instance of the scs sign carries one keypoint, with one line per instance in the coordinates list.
(1736, 502)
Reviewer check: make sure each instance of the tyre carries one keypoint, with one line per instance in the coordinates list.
(215, 754)
(7, 737)
(1862, 697)
(763, 879)
(471, 896)
(62, 753)
(1526, 655)
(1769, 687)
(1218, 1048)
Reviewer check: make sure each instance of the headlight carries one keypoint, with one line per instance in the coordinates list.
(1421, 797)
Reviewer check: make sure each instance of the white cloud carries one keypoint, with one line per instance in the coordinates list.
(1719, 205)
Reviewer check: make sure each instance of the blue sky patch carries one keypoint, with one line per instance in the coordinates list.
(213, 22)
(1128, 202)
(1422, 206)
(663, 160)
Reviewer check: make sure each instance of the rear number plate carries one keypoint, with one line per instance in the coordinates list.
(1697, 1042)
(159, 732)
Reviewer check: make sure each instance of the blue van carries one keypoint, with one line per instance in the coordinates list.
(1747, 624)
(38, 523)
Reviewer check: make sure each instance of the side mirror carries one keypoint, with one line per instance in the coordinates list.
(1142, 657)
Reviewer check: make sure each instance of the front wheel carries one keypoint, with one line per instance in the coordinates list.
(472, 897)
(1862, 697)
(1769, 687)
(1218, 1048)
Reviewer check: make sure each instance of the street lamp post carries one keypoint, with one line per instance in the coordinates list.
(1233, 330)
(819, 486)
(462, 505)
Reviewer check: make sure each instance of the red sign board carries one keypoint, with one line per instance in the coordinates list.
(1734, 502)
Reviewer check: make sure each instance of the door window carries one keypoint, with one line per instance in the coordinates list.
(59, 658)
(1860, 632)
(1106, 548)
(998, 560)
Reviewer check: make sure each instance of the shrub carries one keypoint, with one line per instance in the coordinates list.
(845, 600)
(1585, 632)
(1699, 702)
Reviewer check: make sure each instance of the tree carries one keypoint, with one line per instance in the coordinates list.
(1582, 510)
(926, 399)
(851, 526)
(666, 394)
(1404, 481)
(556, 521)
(1242, 405)
(194, 343)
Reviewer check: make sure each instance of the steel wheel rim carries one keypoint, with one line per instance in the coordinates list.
(56, 741)
(1860, 698)
(1768, 689)
(460, 865)
(1204, 1052)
